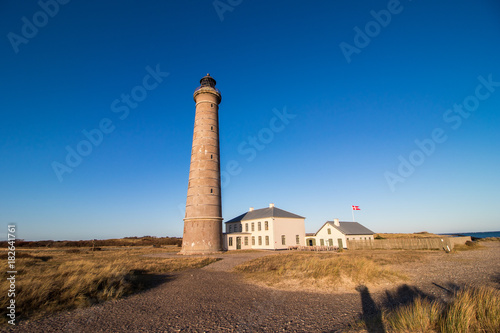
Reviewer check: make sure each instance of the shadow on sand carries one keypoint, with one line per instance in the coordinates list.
(141, 280)
(496, 279)
(372, 314)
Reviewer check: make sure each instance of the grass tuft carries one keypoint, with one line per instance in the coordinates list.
(325, 271)
(473, 310)
(420, 316)
(470, 310)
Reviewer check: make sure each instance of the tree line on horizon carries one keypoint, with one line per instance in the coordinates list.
(127, 241)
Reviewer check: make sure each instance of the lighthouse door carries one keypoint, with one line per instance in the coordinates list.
(238, 243)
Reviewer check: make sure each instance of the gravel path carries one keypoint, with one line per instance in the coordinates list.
(213, 299)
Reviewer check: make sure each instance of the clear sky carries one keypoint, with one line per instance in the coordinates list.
(392, 106)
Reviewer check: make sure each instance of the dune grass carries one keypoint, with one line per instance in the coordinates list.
(320, 271)
(470, 310)
(420, 316)
(50, 280)
(423, 234)
(489, 239)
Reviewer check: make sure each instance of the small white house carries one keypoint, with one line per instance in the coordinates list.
(267, 228)
(336, 233)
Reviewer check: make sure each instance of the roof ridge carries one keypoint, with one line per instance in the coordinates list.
(267, 212)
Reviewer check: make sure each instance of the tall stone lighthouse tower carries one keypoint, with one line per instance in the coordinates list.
(203, 221)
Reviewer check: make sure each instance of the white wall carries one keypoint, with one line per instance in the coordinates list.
(334, 236)
(290, 228)
(276, 228)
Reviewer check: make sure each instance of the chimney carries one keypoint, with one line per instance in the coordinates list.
(271, 205)
(251, 209)
(336, 222)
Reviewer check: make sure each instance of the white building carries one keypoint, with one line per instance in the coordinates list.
(267, 228)
(336, 233)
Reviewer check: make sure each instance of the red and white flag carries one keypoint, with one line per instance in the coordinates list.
(355, 208)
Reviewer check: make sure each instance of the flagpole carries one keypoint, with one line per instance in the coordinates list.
(352, 209)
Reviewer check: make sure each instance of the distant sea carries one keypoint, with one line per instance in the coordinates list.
(478, 234)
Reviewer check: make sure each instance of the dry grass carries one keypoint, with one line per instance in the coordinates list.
(468, 246)
(489, 239)
(422, 234)
(316, 271)
(392, 257)
(50, 280)
(471, 310)
(420, 316)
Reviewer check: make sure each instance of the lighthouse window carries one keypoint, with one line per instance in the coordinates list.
(211, 190)
(211, 128)
(211, 156)
(211, 105)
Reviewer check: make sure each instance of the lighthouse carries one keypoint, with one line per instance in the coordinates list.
(203, 220)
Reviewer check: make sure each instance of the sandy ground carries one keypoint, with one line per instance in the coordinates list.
(213, 299)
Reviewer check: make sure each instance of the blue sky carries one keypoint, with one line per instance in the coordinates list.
(351, 87)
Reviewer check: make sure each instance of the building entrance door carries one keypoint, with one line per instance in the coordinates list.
(341, 246)
(238, 243)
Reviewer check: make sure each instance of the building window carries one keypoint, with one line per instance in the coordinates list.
(322, 242)
(266, 225)
(246, 240)
(259, 226)
(230, 228)
(267, 240)
(297, 239)
(330, 242)
(246, 227)
(253, 240)
(230, 241)
(283, 240)
(329, 231)
(240, 227)
(347, 238)
(260, 240)
(253, 226)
